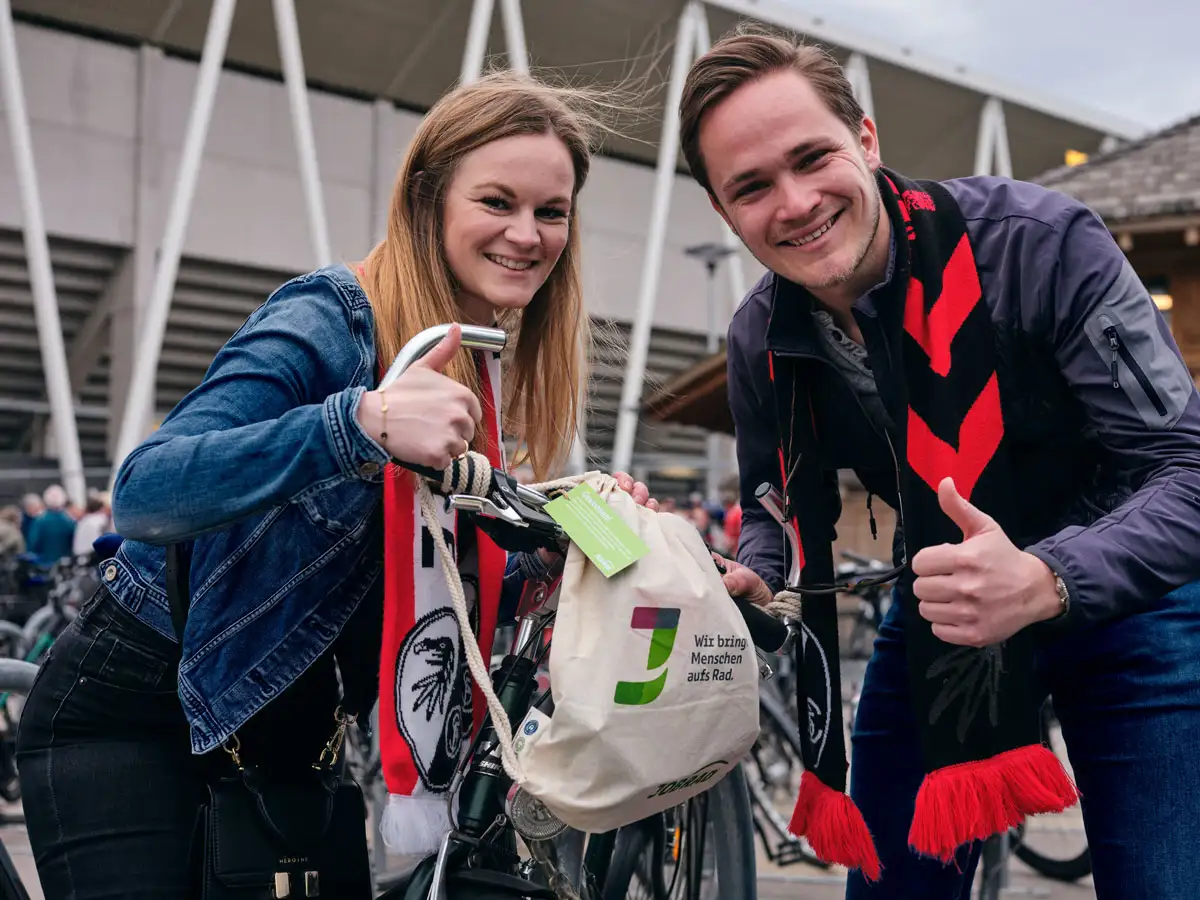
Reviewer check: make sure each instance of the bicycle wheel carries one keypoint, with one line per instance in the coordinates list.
(635, 872)
(1051, 847)
(772, 773)
(700, 850)
(1069, 869)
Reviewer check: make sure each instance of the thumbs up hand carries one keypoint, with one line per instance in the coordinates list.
(430, 417)
(983, 590)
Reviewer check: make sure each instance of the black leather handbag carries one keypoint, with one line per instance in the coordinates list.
(265, 836)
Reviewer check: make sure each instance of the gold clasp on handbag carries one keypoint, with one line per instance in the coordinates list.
(282, 888)
(233, 747)
(334, 746)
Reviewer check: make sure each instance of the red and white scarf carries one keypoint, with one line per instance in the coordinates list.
(428, 706)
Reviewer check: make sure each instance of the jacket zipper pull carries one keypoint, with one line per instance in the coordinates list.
(871, 517)
(1114, 343)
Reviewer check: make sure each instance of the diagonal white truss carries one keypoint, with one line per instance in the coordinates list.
(154, 294)
(41, 276)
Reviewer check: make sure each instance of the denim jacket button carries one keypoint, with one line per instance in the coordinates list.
(368, 469)
(110, 573)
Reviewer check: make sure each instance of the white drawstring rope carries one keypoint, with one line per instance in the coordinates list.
(786, 605)
(473, 474)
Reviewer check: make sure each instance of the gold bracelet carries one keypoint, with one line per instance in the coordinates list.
(383, 408)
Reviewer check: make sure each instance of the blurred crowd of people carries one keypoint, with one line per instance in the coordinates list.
(719, 520)
(49, 527)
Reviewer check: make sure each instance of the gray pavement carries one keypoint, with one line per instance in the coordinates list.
(1061, 835)
(794, 883)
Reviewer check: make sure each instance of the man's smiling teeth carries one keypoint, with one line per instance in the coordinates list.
(809, 238)
(515, 264)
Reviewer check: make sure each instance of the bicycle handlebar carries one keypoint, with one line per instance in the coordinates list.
(474, 336)
(772, 501)
(767, 632)
(16, 676)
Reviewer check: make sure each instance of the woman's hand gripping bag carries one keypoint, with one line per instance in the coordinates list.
(654, 679)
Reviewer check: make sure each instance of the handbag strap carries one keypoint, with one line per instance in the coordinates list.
(179, 567)
(355, 696)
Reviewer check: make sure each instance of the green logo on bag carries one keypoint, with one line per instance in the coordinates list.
(662, 623)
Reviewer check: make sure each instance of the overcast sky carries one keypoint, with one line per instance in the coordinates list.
(1140, 60)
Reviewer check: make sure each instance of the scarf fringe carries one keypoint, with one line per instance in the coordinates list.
(975, 800)
(414, 826)
(834, 827)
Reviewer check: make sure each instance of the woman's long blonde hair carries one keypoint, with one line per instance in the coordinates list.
(410, 286)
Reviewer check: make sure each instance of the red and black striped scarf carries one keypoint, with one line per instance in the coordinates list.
(977, 709)
(429, 708)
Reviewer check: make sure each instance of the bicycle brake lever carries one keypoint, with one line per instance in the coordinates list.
(793, 635)
(505, 517)
(482, 506)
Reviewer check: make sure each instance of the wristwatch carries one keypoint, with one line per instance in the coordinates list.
(1064, 596)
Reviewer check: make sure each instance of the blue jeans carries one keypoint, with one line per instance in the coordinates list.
(1127, 697)
(109, 787)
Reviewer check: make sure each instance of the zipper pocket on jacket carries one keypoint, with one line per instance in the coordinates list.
(1121, 352)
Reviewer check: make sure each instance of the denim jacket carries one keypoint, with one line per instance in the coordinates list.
(265, 468)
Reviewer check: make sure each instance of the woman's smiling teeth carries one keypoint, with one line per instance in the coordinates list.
(516, 265)
(813, 235)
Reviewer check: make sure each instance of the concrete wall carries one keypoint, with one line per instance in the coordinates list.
(109, 120)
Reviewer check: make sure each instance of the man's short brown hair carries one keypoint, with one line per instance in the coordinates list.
(745, 55)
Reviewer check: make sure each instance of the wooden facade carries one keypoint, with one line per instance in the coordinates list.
(1169, 265)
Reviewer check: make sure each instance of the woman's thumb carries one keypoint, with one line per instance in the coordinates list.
(437, 358)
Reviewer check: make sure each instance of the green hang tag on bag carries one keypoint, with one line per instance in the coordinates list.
(595, 529)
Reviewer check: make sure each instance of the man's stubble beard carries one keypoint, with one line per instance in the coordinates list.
(837, 279)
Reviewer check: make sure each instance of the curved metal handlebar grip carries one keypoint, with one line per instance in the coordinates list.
(474, 336)
(772, 501)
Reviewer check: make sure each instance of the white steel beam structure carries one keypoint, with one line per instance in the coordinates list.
(792, 16)
(292, 59)
(692, 38)
(668, 154)
(859, 76)
(721, 450)
(514, 35)
(991, 145)
(150, 201)
(41, 275)
(518, 60)
(477, 37)
(139, 403)
(737, 272)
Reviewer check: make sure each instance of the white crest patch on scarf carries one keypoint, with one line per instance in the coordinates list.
(432, 699)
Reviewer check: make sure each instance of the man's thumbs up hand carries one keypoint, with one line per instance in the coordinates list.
(983, 590)
(971, 520)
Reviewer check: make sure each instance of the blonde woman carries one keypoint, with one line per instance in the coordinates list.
(275, 472)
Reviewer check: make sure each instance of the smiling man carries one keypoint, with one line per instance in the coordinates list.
(981, 354)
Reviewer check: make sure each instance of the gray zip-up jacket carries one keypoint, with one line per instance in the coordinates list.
(1102, 415)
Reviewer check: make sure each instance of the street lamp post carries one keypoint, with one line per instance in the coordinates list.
(712, 254)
